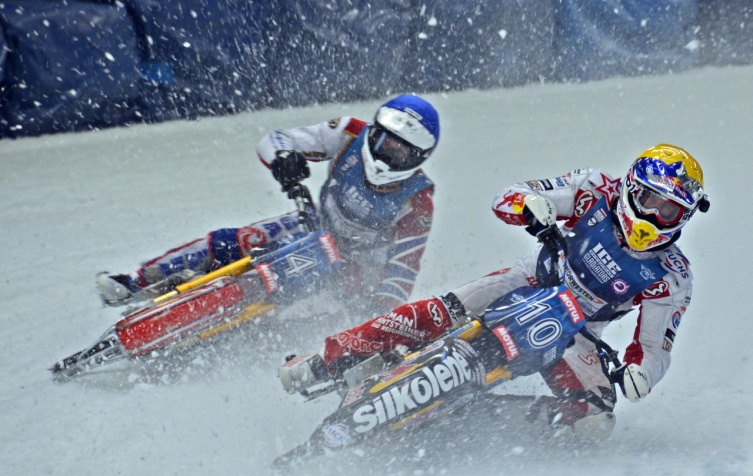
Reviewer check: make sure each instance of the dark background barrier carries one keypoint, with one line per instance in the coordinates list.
(82, 65)
(599, 39)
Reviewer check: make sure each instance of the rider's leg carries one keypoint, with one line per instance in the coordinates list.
(219, 248)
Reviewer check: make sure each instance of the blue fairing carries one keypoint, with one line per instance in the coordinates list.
(301, 263)
(534, 326)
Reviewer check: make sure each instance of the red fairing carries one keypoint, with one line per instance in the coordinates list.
(155, 328)
(409, 325)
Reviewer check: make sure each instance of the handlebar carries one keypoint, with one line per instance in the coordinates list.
(553, 242)
(607, 355)
(305, 204)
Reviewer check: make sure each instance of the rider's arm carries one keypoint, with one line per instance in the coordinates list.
(320, 142)
(571, 195)
(662, 307)
(408, 241)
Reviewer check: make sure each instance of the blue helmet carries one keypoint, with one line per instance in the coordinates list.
(404, 134)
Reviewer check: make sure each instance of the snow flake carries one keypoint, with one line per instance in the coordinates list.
(693, 45)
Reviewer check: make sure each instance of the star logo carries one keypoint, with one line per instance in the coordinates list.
(608, 187)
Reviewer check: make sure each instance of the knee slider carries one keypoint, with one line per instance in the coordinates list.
(224, 245)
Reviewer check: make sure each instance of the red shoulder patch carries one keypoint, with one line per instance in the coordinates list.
(354, 127)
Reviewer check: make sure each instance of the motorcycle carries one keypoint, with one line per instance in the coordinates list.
(519, 334)
(180, 315)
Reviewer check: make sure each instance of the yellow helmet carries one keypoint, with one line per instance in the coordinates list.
(661, 191)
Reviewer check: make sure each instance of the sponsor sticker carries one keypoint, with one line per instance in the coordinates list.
(336, 435)
(677, 263)
(657, 290)
(568, 299)
(511, 349)
(358, 344)
(597, 218)
(601, 264)
(268, 277)
(591, 358)
(676, 318)
(251, 237)
(353, 394)
(619, 286)
(647, 274)
(425, 385)
(436, 314)
(329, 248)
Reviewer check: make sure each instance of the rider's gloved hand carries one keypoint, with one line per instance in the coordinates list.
(539, 214)
(289, 168)
(634, 381)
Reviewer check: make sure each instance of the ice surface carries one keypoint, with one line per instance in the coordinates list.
(77, 204)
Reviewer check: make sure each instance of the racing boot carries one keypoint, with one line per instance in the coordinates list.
(122, 289)
(116, 289)
(300, 373)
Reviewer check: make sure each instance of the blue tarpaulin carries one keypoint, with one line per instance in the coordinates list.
(600, 39)
(86, 64)
(69, 66)
(480, 44)
(202, 57)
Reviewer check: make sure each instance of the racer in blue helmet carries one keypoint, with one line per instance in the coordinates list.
(375, 202)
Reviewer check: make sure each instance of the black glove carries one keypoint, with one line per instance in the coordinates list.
(289, 168)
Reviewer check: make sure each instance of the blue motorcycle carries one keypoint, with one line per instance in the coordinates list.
(519, 334)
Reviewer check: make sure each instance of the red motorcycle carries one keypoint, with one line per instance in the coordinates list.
(206, 306)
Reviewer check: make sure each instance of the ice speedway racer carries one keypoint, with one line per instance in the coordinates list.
(167, 316)
(401, 391)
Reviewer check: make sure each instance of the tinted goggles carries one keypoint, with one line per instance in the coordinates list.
(665, 211)
(398, 154)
